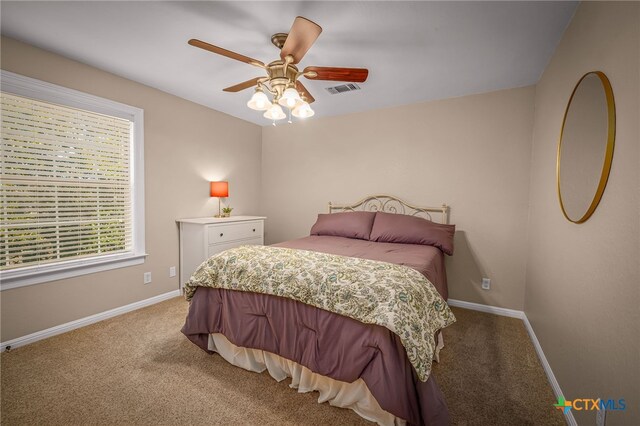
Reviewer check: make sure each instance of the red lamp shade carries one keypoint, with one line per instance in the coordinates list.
(219, 189)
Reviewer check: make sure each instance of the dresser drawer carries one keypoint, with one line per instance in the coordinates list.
(234, 231)
(217, 248)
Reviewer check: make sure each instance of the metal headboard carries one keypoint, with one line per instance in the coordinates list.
(391, 204)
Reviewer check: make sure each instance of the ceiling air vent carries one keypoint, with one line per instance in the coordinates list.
(349, 87)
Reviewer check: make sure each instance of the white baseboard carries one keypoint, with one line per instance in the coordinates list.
(486, 308)
(547, 369)
(532, 335)
(63, 328)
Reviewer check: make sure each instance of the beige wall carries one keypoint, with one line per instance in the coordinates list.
(583, 281)
(472, 153)
(185, 146)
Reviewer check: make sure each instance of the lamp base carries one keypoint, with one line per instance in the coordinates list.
(220, 213)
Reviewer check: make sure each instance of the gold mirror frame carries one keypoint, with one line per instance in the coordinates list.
(608, 157)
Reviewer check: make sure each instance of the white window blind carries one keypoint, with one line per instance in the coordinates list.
(66, 183)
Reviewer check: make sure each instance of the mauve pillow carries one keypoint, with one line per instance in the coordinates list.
(347, 224)
(401, 228)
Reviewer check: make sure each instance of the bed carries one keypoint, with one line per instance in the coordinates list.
(353, 311)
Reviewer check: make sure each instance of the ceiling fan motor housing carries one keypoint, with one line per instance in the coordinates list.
(281, 78)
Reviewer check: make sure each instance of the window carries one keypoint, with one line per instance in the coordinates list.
(71, 183)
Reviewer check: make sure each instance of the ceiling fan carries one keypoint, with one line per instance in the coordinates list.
(282, 76)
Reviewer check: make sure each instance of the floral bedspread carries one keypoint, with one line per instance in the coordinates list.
(393, 296)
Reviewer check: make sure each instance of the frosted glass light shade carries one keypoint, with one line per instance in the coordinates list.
(259, 101)
(303, 111)
(275, 113)
(290, 98)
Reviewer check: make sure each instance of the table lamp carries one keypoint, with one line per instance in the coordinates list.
(219, 189)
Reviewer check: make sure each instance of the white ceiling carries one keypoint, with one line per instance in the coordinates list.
(415, 51)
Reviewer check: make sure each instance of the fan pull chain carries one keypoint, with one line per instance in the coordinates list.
(289, 117)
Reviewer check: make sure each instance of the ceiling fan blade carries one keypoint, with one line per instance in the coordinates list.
(224, 52)
(244, 85)
(300, 88)
(355, 75)
(302, 35)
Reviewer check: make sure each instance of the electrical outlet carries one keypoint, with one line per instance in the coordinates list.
(147, 277)
(172, 272)
(486, 284)
(601, 415)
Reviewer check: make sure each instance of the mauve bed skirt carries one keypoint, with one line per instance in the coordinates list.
(326, 343)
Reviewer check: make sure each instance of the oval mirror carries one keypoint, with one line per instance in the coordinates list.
(586, 145)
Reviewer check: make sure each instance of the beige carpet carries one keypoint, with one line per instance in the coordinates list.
(139, 369)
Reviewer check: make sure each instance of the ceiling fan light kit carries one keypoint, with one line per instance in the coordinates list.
(282, 75)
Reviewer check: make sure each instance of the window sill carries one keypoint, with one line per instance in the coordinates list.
(42, 274)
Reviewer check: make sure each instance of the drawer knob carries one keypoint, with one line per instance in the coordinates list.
(221, 234)
(254, 230)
